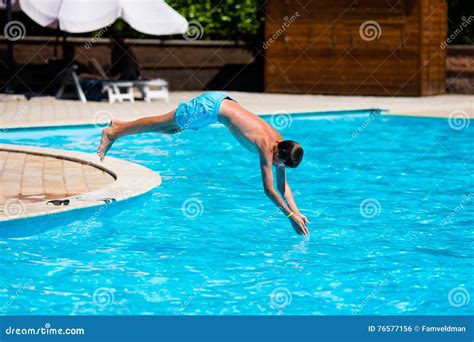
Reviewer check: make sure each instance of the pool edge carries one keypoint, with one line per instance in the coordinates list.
(131, 180)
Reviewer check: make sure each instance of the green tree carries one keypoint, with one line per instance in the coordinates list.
(215, 19)
(222, 19)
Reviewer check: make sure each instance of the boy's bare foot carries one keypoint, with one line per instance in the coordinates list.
(109, 134)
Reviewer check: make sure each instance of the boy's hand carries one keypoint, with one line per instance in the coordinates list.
(299, 225)
(305, 220)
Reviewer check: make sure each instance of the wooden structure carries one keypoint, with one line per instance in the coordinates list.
(365, 47)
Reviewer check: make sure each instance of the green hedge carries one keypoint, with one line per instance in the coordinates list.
(243, 19)
(216, 20)
(222, 19)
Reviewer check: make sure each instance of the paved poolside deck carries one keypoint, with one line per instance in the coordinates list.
(52, 112)
(31, 176)
(34, 178)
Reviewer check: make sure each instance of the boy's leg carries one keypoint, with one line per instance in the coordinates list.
(160, 124)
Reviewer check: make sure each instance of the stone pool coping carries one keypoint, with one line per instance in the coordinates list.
(131, 180)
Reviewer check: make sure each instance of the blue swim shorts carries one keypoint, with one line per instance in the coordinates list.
(200, 111)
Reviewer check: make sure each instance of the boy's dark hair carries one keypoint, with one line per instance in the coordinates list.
(290, 152)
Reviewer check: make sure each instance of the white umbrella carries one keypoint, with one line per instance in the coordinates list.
(77, 16)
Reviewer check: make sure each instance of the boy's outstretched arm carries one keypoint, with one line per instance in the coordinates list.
(267, 178)
(285, 191)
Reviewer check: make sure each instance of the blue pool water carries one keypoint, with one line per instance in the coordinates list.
(391, 221)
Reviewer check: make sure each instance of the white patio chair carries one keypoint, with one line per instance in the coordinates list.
(114, 90)
(153, 89)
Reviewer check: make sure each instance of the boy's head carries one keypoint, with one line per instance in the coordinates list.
(289, 153)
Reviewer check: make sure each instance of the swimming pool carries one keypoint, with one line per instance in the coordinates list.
(388, 199)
